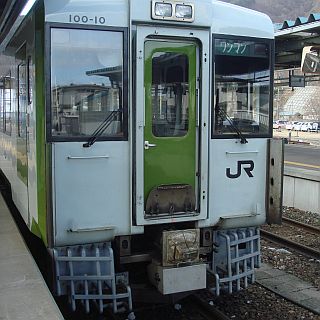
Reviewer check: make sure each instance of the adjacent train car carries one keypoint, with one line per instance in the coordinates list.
(137, 139)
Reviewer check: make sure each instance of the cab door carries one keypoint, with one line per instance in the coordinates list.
(170, 127)
(169, 141)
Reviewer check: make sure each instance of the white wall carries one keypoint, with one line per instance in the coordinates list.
(301, 189)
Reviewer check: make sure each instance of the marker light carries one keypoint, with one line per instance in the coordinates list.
(183, 11)
(163, 9)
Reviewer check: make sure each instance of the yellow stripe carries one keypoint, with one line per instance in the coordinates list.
(302, 164)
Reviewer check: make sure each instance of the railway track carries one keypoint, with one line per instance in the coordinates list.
(191, 308)
(301, 225)
(206, 310)
(294, 245)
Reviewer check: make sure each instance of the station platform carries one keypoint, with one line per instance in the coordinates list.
(301, 189)
(23, 291)
(290, 287)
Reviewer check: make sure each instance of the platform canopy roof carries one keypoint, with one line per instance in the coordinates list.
(292, 36)
(3, 4)
(9, 11)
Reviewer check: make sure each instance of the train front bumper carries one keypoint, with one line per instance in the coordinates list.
(170, 280)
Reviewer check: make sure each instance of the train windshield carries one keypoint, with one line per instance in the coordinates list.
(242, 87)
(86, 82)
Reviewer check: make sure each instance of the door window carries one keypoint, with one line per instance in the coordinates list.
(170, 94)
(21, 119)
(7, 95)
(22, 99)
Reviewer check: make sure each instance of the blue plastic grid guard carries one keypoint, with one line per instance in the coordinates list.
(238, 263)
(87, 273)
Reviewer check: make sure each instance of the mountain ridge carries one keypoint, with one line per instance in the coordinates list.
(280, 10)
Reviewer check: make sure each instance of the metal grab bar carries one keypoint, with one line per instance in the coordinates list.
(241, 152)
(88, 157)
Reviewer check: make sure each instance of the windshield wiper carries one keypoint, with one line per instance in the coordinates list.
(223, 115)
(102, 127)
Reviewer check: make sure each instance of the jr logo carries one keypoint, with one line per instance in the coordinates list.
(248, 166)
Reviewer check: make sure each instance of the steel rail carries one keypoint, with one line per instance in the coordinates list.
(193, 307)
(208, 311)
(307, 251)
(302, 225)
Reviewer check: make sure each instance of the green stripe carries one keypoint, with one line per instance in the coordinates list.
(40, 122)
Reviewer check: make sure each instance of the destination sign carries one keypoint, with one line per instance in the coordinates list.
(231, 47)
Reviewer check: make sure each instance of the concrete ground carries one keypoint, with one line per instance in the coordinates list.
(289, 287)
(23, 291)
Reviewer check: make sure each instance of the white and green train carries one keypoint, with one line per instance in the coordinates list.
(137, 136)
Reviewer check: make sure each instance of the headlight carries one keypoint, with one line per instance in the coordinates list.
(173, 10)
(163, 9)
(183, 11)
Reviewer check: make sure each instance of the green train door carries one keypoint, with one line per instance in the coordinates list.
(170, 81)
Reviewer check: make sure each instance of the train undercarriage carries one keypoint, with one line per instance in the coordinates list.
(97, 274)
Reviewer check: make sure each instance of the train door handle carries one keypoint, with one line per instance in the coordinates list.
(148, 145)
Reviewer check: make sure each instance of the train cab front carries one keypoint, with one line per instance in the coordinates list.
(159, 128)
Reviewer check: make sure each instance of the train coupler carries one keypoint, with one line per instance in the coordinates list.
(179, 269)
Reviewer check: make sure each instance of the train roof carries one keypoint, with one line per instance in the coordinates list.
(233, 19)
(223, 18)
